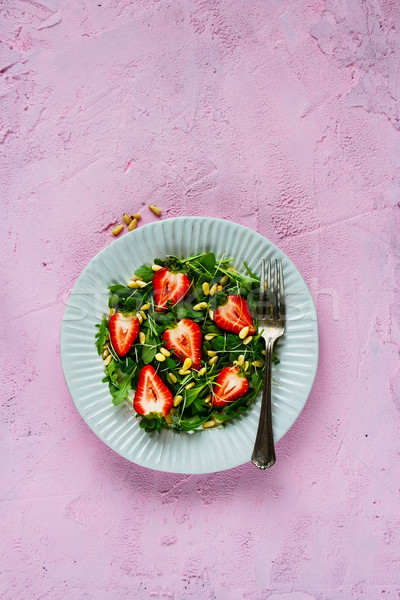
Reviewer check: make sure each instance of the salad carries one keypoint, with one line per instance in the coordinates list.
(180, 343)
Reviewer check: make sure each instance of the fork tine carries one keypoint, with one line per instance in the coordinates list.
(268, 313)
(282, 305)
(275, 298)
(261, 300)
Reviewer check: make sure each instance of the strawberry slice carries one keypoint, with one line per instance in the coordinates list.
(152, 395)
(185, 341)
(229, 386)
(123, 332)
(169, 286)
(234, 315)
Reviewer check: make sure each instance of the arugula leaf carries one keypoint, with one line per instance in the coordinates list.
(101, 335)
(120, 392)
(144, 272)
(249, 271)
(149, 350)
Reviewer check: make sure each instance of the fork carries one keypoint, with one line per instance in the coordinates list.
(271, 321)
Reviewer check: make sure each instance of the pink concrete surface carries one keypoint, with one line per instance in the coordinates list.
(280, 115)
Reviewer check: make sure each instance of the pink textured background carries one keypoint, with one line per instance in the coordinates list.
(280, 115)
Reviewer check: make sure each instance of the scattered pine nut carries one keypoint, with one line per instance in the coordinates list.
(183, 372)
(210, 336)
(206, 288)
(141, 283)
(219, 288)
(208, 399)
(156, 267)
(143, 315)
(127, 219)
(244, 332)
(187, 364)
(209, 424)
(133, 284)
(117, 230)
(202, 372)
(132, 225)
(190, 385)
(258, 363)
(263, 352)
(200, 306)
(154, 209)
(213, 289)
(165, 352)
(211, 353)
(168, 418)
(160, 357)
(137, 216)
(139, 318)
(146, 306)
(172, 378)
(240, 360)
(178, 399)
(211, 314)
(224, 280)
(213, 360)
(231, 269)
(106, 352)
(246, 365)
(107, 360)
(247, 340)
(112, 312)
(142, 337)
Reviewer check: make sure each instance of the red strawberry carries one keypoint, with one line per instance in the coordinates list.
(234, 315)
(169, 286)
(229, 386)
(185, 341)
(152, 395)
(123, 332)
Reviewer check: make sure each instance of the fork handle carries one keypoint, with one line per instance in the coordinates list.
(264, 451)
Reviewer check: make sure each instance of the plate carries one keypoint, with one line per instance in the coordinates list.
(207, 450)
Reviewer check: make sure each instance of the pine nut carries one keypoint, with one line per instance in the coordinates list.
(231, 269)
(208, 399)
(112, 312)
(235, 362)
(183, 372)
(142, 337)
(117, 230)
(200, 306)
(168, 418)
(211, 314)
(160, 357)
(132, 225)
(136, 278)
(107, 360)
(258, 363)
(137, 216)
(211, 353)
(133, 284)
(178, 399)
(213, 289)
(156, 267)
(143, 315)
(210, 336)
(187, 364)
(219, 288)
(127, 219)
(139, 318)
(146, 306)
(246, 365)
(190, 385)
(165, 352)
(224, 280)
(106, 352)
(247, 340)
(244, 332)
(154, 209)
(172, 378)
(240, 360)
(209, 424)
(213, 360)
(202, 372)
(206, 288)
(141, 283)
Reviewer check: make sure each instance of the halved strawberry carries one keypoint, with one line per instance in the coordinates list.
(234, 315)
(229, 386)
(123, 332)
(169, 286)
(152, 395)
(185, 341)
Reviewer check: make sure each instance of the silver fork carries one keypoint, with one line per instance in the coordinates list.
(271, 322)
